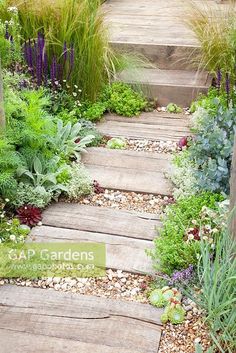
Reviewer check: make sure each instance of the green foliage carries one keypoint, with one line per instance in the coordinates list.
(174, 313)
(10, 50)
(65, 141)
(173, 108)
(206, 164)
(116, 143)
(79, 23)
(216, 278)
(11, 230)
(43, 173)
(173, 248)
(217, 38)
(80, 183)
(123, 100)
(27, 194)
(94, 111)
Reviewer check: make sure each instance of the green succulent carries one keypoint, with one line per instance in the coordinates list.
(156, 298)
(174, 313)
(173, 108)
(116, 143)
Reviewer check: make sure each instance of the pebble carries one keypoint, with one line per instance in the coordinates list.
(152, 146)
(128, 201)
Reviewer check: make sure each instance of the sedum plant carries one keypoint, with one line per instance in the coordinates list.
(116, 143)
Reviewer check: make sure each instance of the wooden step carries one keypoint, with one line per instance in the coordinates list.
(150, 126)
(129, 170)
(126, 234)
(156, 29)
(45, 321)
(168, 86)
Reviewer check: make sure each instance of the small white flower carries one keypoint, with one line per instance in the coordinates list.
(75, 86)
(12, 9)
(7, 200)
(205, 238)
(40, 223)
(12, 237)
(74, 94)
(190, 237)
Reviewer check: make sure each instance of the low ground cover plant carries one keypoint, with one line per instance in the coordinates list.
(184, 225)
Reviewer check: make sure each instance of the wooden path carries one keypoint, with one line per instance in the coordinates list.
(46, 321)
(155, 28)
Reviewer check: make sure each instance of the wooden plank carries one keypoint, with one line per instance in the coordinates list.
(143, 131)
(121, 253)
(19, 342)
(131, 179)
(126, 159)
(130, 327)
(130, 170)
(154, 118)
(176, 86)
(102, 220)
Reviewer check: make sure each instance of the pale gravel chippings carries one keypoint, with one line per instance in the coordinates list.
(115, 285)
(152, 146)
(131, 201)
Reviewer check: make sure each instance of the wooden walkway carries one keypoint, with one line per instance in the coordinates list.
(156, 30)
(46, 321)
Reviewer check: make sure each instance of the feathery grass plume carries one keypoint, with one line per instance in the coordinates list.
(214, 26)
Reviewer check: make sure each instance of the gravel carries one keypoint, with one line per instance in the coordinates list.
(182, 338)
(116, 285)
(152, 146)
(128, 201)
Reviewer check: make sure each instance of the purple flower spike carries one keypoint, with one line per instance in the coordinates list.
(227, 84)
(219, 79)
(65, 52)
(7, 35)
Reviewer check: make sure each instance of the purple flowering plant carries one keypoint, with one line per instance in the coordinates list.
(56, 71)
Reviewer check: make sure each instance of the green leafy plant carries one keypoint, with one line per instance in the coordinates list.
(43, 174)
(27, 194)
(80, 183)
(10, 229)
(116, 143)
(123, 100)
(177, 244)
(173, 108)
(67, 142)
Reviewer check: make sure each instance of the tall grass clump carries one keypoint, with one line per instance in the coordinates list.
(215, 28)
(217, 295)
(72, 28)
